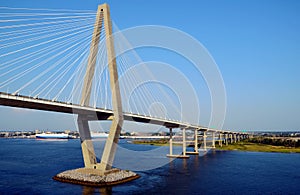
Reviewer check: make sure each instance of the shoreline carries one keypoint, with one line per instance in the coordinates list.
(256, 147)
(239, 146)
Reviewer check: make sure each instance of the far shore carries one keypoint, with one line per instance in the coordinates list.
(257, 147)
(241, 146)
(154, 142)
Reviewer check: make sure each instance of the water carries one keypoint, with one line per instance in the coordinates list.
(27, 167)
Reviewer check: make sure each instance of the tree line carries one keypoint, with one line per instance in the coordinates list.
(275, 141)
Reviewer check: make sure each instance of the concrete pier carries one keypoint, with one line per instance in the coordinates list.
(94, 177)
(196, 141)
(171, 142)
(195, 144)
(204, 140)
(213, 140)
(226, 139)
(183, 142)
(230, 137)
(184, 153)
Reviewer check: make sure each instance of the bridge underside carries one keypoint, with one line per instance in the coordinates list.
(90, 114)
(34, 105)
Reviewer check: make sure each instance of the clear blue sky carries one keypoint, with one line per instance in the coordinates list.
(255, 43)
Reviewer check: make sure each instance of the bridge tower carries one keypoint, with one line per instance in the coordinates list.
(102, 20)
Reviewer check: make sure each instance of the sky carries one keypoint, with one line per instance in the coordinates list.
(256, 45)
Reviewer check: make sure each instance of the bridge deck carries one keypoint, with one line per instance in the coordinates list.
(91, 113)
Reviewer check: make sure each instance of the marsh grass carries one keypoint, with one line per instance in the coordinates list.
(257, 147)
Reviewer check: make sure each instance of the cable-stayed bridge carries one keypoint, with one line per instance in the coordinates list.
(70, 61)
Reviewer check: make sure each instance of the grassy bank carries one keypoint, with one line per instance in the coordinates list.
(160, 142)
(242, 146)
(256, 147)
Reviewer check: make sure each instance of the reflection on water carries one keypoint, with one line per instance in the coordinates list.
(86, 190)
(196, 162)
(184, 164)
(52, 140)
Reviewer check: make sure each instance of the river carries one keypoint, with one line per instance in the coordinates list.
(27, 167)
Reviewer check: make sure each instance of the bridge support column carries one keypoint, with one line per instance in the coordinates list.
(230, 137)
(171, 155)
(110, 146)
(171, 142)
(226, 139)
(204, 140)
(116, 126)
(87, 146)
(234, 138)
(213, 140)
(183, 142)
(196, 141)
(220, 139)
